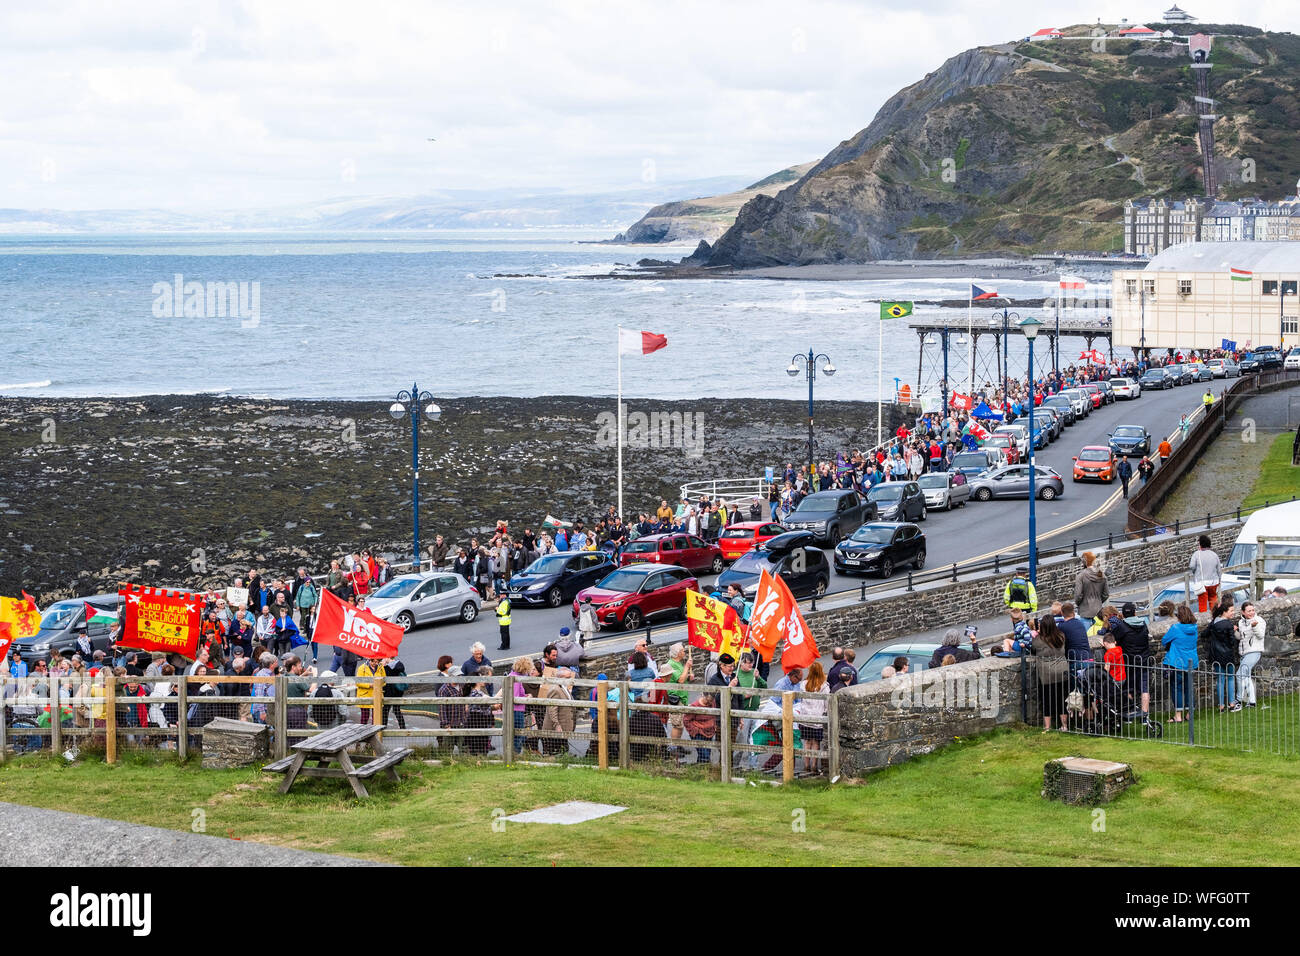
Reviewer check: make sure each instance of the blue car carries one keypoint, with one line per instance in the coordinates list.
(556, 579)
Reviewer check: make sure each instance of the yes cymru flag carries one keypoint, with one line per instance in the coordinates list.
(355, 629)
(712, 625)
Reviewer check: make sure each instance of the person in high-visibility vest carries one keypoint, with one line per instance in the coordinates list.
(503, 618)
(1208, 399)
(1020, 592)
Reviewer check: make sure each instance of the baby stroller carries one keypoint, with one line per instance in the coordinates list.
(1106, 702)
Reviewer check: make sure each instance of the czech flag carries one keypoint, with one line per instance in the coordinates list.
(632, 342)
(976, 293)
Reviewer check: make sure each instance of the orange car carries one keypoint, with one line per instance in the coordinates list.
(1095, 463)
(744, 536)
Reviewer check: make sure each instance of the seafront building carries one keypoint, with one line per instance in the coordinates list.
(1152, 226)
(1196, 295)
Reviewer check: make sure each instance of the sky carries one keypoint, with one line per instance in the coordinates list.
(203, 105)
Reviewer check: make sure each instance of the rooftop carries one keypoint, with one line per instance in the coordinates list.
(1222, 256)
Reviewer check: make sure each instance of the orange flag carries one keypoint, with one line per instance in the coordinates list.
(776, 617)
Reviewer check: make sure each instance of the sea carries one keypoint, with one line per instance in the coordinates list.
(460, 313)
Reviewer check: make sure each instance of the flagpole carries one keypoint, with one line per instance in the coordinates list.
(619, 345)
(970, 338)
(880, 376)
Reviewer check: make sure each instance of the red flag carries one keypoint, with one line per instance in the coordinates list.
(6, 638)
(963, 402)
(632, 342)
(159, 620)
(355, 629)
(776, 616)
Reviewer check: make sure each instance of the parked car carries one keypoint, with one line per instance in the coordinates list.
(683, 550)
(1292, 359)
(1019, 434)
(63, 622)
(1262, 361)
(898, 501)
(1000, 442)
(744, 536)
(790, 556)
(1053, 419)
(972, 463)
(553, 579)
(414, 599)
(1201, 372)
(1095, 463)
(1178, 594)
(1126, 388)
(1081, 401)
(1108, 393)
(1174, 375)
(940, 492)
(1064, 405)
(1155, 378)
(880, 548)
(1182, 374)
(1224, 368)
(1094, 393)
(1130, 440)
(830, 515)
(628, 597)
(1012, 481)
(918, 654)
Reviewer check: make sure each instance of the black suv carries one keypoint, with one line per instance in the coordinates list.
(830, 515)
(555, 579)
(881, 547)
(899, 501)
(1262, 361)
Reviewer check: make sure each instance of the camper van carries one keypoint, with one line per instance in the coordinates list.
(1279, 521)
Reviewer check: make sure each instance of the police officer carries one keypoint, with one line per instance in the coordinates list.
(503, 618)
(1020, 592)
(1208, 399)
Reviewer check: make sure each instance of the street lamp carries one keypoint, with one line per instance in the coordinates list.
(1006, 372)
(1030, 327)
(810, 369)
(415, 404)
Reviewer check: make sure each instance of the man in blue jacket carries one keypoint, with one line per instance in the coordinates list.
(1077, 648)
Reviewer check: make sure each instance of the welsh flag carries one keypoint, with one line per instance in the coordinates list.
(632, 342)
(713, 625)
(1241, 275)
(977, 431)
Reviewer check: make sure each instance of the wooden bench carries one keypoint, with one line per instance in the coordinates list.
(332, 747)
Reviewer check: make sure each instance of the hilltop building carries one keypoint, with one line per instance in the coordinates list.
(1197, 294)
(1175, 15)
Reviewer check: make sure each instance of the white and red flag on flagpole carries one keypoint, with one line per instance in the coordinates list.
(634, 342)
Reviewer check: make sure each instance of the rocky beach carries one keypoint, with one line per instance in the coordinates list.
(192, 491)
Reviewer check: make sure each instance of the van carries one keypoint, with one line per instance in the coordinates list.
(63, 622)
(1279, 521)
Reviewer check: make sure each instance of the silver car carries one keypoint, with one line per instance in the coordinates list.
(1012, 481)
(940, 492)
(1224, 368)
(414, 599)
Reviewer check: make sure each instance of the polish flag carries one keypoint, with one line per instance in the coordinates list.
(1072, 282)
(632, 342)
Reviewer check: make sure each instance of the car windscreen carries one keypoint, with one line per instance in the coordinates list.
(817, 504)
(869, 535)
(738, 533)
(640, 547)
(753, 561)
(1128, 431)
(891, 491)
(1244, 553)
(971, 460)
(1095, 454)
(933, 482)
(547, 564)
(621, 581)
(396, 589)
(59, 616)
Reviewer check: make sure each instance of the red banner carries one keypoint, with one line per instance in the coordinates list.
(160, 620)
(776, 616)
(355, 629)
(962, 402)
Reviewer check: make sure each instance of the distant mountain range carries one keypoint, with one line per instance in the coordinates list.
(452, 209)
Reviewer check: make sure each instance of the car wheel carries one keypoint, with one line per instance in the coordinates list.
(920, 559)
(921, 516)
(468, 611)
(632, 619)
(554, 597)
(407, 621)
(715, 567)
(886, 568)
(820, 589)
(1048, 493)
(983, 494)
(833, 536)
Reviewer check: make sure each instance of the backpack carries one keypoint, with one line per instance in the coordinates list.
(1019, 593)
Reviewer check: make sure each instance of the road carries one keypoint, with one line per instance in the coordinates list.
(977, 531)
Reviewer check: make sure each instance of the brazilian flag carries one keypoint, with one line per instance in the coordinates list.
(895, 310)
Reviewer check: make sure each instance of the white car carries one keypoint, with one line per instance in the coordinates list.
(1125, 388)
(1082, 403)
(1292, 359)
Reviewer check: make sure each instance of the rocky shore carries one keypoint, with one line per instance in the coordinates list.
(194, 490)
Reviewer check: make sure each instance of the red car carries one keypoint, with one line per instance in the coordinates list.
(745, 536)
(629, 597)
(683, 550)
(1095, 463)
(1095, 391)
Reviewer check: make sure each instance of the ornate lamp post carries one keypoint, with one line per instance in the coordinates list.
(1030, 327)
(415, 404)
(810, 369)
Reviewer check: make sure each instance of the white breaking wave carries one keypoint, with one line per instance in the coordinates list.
(17, 385)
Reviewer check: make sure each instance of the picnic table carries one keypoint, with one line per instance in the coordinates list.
(331, 747)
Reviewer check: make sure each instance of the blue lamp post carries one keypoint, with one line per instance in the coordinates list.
(1030, 327)
(810, 369)
(415, 404)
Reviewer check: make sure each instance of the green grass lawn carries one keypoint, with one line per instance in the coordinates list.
(1278, 479)
(976, 802)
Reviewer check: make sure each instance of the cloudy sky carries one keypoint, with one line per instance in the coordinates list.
(209, 105)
